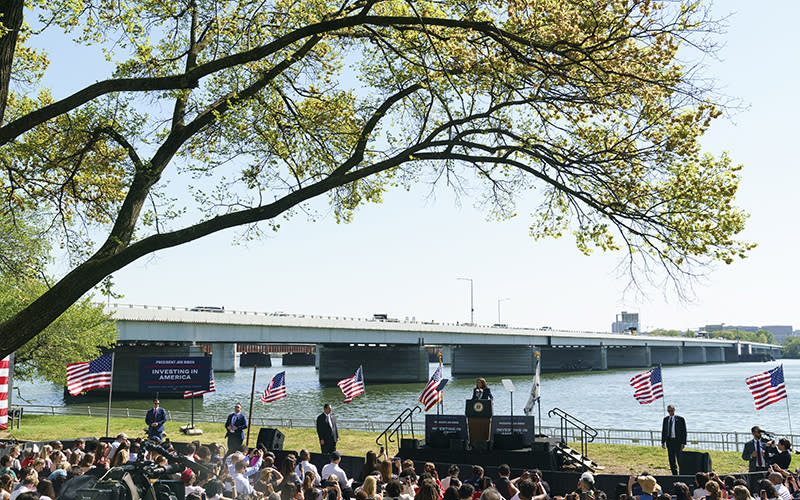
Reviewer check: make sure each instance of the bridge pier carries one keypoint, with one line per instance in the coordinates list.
(481, 360)
(568, 358)
(223, 357)
(694, 354)
(629, 357)
(381, 364)
(731, 354)
(666, 355)
(715, 354)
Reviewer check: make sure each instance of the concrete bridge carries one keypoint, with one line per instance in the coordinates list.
(394, 351)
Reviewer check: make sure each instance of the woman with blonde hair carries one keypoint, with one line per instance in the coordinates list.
(121, 457)
(44, 454)
(370, 487)
(713, 491)
(481, 390)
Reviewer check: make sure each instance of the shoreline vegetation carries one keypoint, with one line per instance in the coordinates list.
(615, 458)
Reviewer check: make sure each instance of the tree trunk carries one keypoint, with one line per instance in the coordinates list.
(11, 11)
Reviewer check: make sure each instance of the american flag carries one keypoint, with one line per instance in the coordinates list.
(276, 389)
(82, 377)
(647, 386)
(4, 367)
(353, 386)
(211, 388)
(767, 387)
(431, 394)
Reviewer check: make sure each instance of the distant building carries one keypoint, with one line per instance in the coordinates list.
(780, 332)
(626, 323)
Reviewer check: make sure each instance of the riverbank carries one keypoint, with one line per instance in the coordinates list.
(616, 459)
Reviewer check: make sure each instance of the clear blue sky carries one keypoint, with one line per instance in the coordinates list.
(403, 257)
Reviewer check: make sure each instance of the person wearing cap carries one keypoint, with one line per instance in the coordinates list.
(188, 479)
(155, 419)
(650, 487)
(234, 429)
(673, 437)
(585, 485)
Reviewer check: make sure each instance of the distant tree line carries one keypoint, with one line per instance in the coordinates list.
(762, 336)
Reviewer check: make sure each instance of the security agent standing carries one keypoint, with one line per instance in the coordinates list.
(673, 437)
(234, 428)
(155, 419)
(327, 431)
(755, 450)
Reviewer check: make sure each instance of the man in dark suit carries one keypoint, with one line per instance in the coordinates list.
(673, 437)
(326, 430)
(234, 427)
(755, 451)
(155, 418)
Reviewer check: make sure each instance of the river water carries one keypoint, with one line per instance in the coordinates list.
(711, 397)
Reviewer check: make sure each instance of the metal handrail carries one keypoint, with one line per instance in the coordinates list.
(587, 433)
(397, 426)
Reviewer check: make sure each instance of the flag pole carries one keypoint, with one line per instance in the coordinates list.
(663, 399)
(250, 415)
(788, 414)
(110, 387)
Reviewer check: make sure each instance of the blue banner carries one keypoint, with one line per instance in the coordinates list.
(164, 374)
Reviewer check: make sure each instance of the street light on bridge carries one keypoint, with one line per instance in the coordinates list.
(498, 309)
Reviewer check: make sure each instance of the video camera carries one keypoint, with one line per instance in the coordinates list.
(138, 480)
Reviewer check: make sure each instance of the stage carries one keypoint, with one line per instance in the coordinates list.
(541, 455)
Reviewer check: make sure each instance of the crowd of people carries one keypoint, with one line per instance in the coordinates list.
(40, 473)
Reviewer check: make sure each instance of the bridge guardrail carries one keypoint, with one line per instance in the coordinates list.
(722, 441)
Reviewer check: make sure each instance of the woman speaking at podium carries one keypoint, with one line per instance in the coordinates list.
(481, 390)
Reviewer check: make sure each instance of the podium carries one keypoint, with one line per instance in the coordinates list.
(479, 419)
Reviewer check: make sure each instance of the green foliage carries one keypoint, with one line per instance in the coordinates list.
(582, 106)
(791, 347)
(77, 335)
(762, 336)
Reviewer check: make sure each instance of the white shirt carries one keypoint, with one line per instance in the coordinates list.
(332, 469)
(249, 471)
(20, 490)
(304, 467)
(783, 492)
(242, 484)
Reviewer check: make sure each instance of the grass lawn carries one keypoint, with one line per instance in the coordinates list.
(617, 459)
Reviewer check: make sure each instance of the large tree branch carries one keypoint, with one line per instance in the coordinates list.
(11, 21)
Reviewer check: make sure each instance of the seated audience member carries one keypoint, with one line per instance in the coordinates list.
(6, 485)
(741, 493)
(240, 481)
(503, 483)
(27, 485)
(427, 490)
(452, 473)
(385, 473)
(466, 491)
(5, 467)
(700, 480)
(765, 486)
(649, 486)
(45, 490)
(713, 491)
(370, 487)
(681, 491)
(477, 475)
(585, 485)
(491, 494)
(776, 478)
(332, 469)
(450, 493)
(188, 478)
(394, 491)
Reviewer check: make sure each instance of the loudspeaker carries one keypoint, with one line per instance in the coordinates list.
(272, 439)
(412, 444)
(541, 447)
(481, 446)
(692, 462)
(458, 445)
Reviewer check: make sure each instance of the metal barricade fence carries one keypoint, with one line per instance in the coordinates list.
(722, 441)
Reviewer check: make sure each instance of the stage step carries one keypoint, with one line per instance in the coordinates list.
(575, 459)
